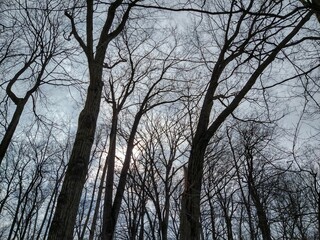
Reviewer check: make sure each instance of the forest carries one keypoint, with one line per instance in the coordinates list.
(160, 119)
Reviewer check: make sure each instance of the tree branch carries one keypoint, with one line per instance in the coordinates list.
(75, 33)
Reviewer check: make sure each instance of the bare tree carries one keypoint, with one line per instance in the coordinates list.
(64, 219)
(253, 166)
(162, 146)
(148, 77)
(166, 154)
(32, 50)
(247, 33)
(30, 180)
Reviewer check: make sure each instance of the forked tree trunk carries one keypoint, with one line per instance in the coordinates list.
(111, 210)
(64, 219)
(20, 104)
(190, 227)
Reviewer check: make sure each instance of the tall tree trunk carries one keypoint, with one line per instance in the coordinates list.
(49, 209)
(111, 211)
(98, 202)
(190, 227)
(68, 201)
(108, 218)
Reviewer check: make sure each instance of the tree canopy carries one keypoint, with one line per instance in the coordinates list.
(147, 119)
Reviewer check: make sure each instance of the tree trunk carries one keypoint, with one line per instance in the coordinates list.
(190, 227)
(261, 214)
(111, 212)
(50, 207)
(68, 201)
(11, 128)
(108, 218)
(98, 201)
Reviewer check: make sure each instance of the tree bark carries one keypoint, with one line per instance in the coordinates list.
(68, 201)
(190, 227)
